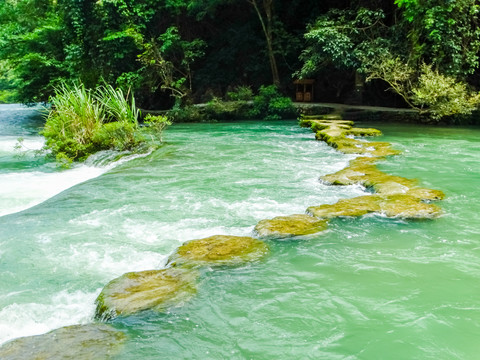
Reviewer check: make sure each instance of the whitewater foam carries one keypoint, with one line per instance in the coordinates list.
(62, 309)
(24, 189)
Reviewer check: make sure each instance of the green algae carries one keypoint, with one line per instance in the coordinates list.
(289, 226)
(80, 342)
(219, 250)
(145, 290)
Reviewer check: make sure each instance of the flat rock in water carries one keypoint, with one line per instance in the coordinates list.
(288, 226)
(353, 207)
(145, 290)
(219, 250)
(426, 194)
(409, 207)
(400, 205)
(79, 342)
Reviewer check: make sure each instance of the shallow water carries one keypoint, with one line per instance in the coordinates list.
(367, 288)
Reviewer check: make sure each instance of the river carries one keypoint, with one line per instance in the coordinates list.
(368, 288)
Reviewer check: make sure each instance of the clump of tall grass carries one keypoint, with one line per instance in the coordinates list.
(83, 121)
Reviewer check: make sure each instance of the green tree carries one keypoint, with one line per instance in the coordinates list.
(31, 44)
(444, 33)
(169, 58)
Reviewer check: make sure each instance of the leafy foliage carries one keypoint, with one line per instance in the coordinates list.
(82, 122)
(269, 104)
(344, 38)
(169, 58)
(443, 95)
(444, 33)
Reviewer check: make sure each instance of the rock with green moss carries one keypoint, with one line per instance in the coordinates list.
(79, 342)
(399, 205)
(363, 171)
(426, 194)
(408, 207)
(363, 132)
(354, 207)
(337, 133)
(219, 250)
(289, 226)
(145, 290)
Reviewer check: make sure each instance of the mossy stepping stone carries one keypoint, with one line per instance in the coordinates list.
(353, 207)
(426, 194)
(408, 207)
(363, 132)
(219, 250)
(401, 206)
(79, 342)
(288, 226)
(145, 290)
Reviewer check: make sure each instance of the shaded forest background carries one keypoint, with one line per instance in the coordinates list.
(408, 53)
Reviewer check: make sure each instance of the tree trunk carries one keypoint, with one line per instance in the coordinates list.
(268, 31)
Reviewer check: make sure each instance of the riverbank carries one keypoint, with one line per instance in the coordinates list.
(242, 110)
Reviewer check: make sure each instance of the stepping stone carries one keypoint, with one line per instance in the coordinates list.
(219, 250)
(289, 226)
(400, 206)
(145, 290)
(79, 342)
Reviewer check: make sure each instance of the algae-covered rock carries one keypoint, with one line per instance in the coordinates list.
(426, 194)
(363, 171)
(219, 250)
(400, 205)
(396, 196)
(408, 207)
(380, 149)
(288, 226)
(145, 290)
(336, 133)
(354, 207)
(79, 342)
(363, 132)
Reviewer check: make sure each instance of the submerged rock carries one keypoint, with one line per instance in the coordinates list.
(288, 226)
(400, 205)
(219, 250)
(79, 342)
(145, 290)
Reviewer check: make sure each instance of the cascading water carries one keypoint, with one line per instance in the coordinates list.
(367, 288)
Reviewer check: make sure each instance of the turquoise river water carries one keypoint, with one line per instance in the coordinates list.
(369, 288)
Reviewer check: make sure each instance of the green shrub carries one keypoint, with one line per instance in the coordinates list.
(156, 125)
(188, 113)
(218, 109)
(271, 105)
(82, 122)
(443, 95)
(241, 93)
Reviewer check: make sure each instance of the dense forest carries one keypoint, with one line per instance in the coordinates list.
(422, 54)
